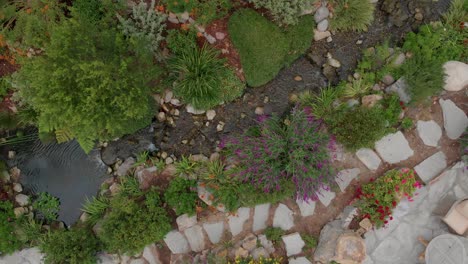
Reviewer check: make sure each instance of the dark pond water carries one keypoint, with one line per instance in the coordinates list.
(63, 170)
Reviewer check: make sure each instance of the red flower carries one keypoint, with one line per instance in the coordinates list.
(393, 203)
(371, 179)
(385, 222)
(403, 181)
(376, 201)
(391, 217)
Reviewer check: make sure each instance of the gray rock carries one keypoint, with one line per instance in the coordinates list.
(267, 244)
(185, 221)
(125, 167)
(104, 258)
(369, 158)
(322, 25)
(210, 114)
(325, 250)
(283, 217)
(259, 252)
(176, 242)
(195, 238)
(173, 18)
(25, 256)
(394, 148)
(401, 89)
(456, 76)
(299, 260)
(293, 244)
(209, 38)
(325, 196)
(431, 166)
(318, 35)
(19, 211)
(5, 176)
(399, 59)
(307, 208)
(388, 79)
(429, 132)
(352, 102)
(214, 231)
(184, 17)
(138, 261)
(236, 222)
(17, 187)
(321, 14)
(344, 177)
(455, 120)
(194, 111)
(261, 214)
(22, 199)
(249, 242)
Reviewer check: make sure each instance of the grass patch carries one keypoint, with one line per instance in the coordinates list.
(265, 48)
(354, 15)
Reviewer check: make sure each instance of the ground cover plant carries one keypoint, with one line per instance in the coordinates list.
(354, 15)
(283, 12)
(377, 198)
(207, 11)
(9, 242)
(266, 48)
(47, 206)
(182, 195)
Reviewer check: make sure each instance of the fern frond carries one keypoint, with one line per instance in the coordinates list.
(63, 135)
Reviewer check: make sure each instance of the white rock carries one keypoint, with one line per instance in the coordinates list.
(195, 238)
(236, 222)
(259, 110)
(173, 19)
(209, 38)
(322, 25)
(283, 217)
(329, 39)
(429, 132)
(168, 96)
(394, 148)
(175, 102)
(214, 231)
(321, 14)
(184, 17)
(261, 213)
(22, 199)
(11, 154)
(210, 114)
(456, 76)
(358, 42)
(220, 127)
(318, 35)
(17, 187)
(431, 166)
(307, 208)
(161, 116)
(220, 35)
(194, 111)
(344, 177)
(185, 221)
(176, 242)
(19, 211)
(334, 62)
(369, 158)
(455, 120)
(293, 244)
(151, 254)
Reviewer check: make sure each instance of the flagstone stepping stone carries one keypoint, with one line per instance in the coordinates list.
(261, 214)
(299, 260)
(456, 75)
(429, 132)
(283, 217)
(455, 120)
(176, 242)
(344, 177)
(369, 158)
(307, 208)
(195, 238)
(185, 221)
(206, 196)
(259, 252)
(394, 148)
(151, 254)
(325, 196)
(293, 244)
(400, 87)
(214, 231)
(431, 166)
(267, 244)
(236, 222)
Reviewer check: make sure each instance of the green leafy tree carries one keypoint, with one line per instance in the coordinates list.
(91, 84)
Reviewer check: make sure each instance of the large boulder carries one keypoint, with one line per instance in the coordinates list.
(456, 76)
(350, 247)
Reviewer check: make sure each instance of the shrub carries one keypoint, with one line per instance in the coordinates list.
(297, 152)
(29, 24)
(179, 41)
(182, 195)
(209, 10)
(98, 83)
(8, 242)
(145, 23)
(283, 12)
(379, 197)
(28, 230)
(130, 226)
(180, 6)
(358, 128)
(354, 15)
(75, 246)
(274, 234)
(95, 209)
(321, 105)
(265, 49)
(201, 77)
(457, 13)
(47, 206)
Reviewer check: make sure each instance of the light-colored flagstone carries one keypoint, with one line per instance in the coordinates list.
(236, 222)
(261, 213)
(283, 217)
(293, 244)
(176, 242)
(326, 196)
(394, 148)
(429, 132)
(369, 158)
(307, 208)
(195, 238)
(455, 120)
(344, 177)
(431, 166)
(214, 231)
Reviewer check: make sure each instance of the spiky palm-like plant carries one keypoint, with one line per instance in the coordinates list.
(354, 15)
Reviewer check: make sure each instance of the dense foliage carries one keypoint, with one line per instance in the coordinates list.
(75, 246)
(297, 152)
(354, 15)
(90, 84)
(283, 12)
(379, 197)
(47, 206)
(182, 195)
(9, 241)
(265, 48)
(207, 11)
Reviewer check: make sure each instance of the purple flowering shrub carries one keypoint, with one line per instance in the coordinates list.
(297, 152)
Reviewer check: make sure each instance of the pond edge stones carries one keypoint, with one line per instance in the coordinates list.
(394, 148)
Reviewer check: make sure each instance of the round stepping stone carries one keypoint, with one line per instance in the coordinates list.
(394, 148)
(455, 120)
(369, 158)
(214, 231)
(429, 132)
(261, 214)
(293, 244)
(431, 167)
(176, 242)
(344, 177)
(236, 223)
(283, 217)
